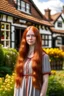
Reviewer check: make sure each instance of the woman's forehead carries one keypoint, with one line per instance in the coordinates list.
(30, 32)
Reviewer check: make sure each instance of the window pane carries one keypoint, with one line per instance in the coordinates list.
(22, 4)
(23, 9)
(7, 35)
(46, 42)
(27, 6)
(42, 36)
(46, 36)
(18, 2)
(27, 10)
(18, 7)
(7, 43)
(2, 26)
(2, 42)
(7, 26)
(59, 24)
(2, 35)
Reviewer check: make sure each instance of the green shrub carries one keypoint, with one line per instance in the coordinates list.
(10, 57)
(7, 60)
(56, 84)
(5, 70)
(1, 56)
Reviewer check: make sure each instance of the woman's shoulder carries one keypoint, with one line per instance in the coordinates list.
(45, 55)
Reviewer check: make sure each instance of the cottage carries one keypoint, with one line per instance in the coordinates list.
(57, 31)
(15, 16)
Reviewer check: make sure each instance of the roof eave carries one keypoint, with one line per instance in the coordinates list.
(19, 17)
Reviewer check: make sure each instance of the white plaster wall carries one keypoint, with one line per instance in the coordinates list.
(10, 19)
(4, 17)
(43, 31)
(19, 25)
(62, 15)
(63, 18)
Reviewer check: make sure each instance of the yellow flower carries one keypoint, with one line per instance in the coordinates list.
(53, 72)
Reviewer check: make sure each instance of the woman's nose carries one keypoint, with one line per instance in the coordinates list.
(30, 37)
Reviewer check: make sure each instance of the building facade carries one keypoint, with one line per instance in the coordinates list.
(15, 16)
(57, 31)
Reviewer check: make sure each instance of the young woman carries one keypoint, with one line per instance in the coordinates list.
(32, 67)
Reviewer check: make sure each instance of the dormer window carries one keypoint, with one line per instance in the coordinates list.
(27, 8)
(59, 24)
(23, 6)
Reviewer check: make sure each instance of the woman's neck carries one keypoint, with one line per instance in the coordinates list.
(31, 51)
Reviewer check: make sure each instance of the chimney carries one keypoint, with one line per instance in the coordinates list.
(47, 14)
(63, 9)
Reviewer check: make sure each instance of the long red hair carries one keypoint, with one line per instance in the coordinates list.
(36, 60)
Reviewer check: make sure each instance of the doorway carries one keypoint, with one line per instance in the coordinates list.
(18, 37)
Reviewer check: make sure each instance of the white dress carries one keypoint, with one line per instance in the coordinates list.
(27, 88)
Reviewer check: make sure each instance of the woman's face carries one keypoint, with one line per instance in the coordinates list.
(30, 38)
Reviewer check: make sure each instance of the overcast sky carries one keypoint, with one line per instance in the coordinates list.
(54, 5)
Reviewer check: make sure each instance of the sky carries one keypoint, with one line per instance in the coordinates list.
(54, 5)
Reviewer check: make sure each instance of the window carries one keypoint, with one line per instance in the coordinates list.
(59, 40)
(5, 34)
(45, 39)
(23, 6)
(18, 4)
(59, 24)
(27, 8)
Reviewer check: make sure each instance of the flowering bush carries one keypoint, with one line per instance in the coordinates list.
(54, 53)
(55, 86)
(53, 72)
(7, 85)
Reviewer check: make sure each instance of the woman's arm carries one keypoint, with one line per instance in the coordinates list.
(45, 85)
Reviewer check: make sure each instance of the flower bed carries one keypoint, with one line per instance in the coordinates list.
(7, 85)
(55, 87)
(56, 58)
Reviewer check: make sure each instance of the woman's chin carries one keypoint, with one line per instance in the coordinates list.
(30, 44)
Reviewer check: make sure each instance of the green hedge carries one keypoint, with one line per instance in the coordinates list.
(7, 60)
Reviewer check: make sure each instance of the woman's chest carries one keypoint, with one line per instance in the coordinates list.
(28, 66)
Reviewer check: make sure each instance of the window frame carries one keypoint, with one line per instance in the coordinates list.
(23, 8)
(45, 39)
(5, 34)
(59, 24)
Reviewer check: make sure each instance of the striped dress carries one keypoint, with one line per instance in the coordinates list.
(27, 88)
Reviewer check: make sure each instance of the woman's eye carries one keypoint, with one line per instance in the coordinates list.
(31, 35)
